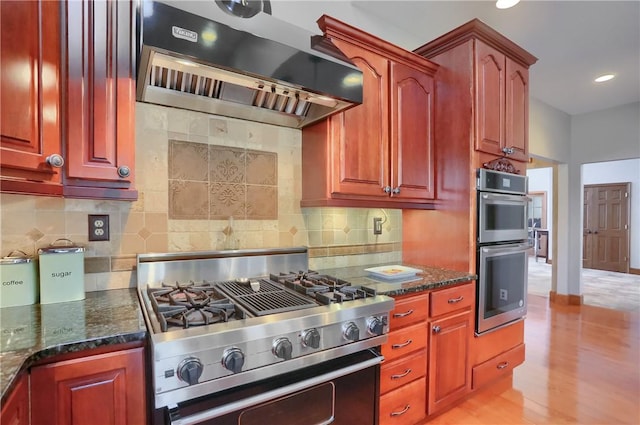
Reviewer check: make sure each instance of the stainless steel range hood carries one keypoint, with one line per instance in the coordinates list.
(195, 56)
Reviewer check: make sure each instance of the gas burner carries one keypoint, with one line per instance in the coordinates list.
(185, 305)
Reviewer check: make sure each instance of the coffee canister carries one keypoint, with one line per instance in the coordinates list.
(61, 272)
(19, 280)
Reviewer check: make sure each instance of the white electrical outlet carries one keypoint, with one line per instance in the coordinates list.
(504, 294)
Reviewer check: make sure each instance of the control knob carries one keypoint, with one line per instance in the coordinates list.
(233, 359)
(190, 370)
(351, 332)
(311, 338)
(282, 348)
(375, 325)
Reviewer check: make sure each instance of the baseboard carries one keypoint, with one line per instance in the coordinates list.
(634, 271)
(564, 299)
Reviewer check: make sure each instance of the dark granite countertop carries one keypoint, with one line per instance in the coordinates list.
(429, 278)
(35, 332)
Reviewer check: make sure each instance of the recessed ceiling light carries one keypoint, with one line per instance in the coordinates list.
(603, 78)
(505, 4)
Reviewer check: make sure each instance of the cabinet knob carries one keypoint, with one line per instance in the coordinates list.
(124, 171)
(396, 190)
(387, 189)
(436, 329)
(508, 151)
(55, 160)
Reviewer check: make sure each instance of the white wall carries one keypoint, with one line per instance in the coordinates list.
(549, 132)
(621, 172)
(541, 180)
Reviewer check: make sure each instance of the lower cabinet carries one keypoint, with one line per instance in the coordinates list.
(450, 330)
(100, 389)
(15, 411)
(497, 367)
(404, 406)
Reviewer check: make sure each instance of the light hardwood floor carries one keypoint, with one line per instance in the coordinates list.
(582, 367)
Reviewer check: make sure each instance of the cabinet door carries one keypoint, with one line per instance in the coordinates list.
(16, 409)
(517, 110)
(359, 139)
(30, 96)
(449, 371)
(107, 386)
(490, 103)
(412, 150)
(100, 98)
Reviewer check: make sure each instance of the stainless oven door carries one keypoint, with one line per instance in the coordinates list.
(502, 285)
(501, 217)
(340, 391)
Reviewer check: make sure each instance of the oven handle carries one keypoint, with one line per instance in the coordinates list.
(504, 248)
(216, 412)
(503, 197)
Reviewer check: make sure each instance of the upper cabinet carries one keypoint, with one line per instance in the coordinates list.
(68, 99)
(379, 153)
(499, 73)
(30, 119)
(100, 99)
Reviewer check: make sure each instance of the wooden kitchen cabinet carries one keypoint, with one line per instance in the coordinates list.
(68, 98)
(498, 71)
(15, 411)
(403, 373)
(99, 99)
(379, 153)
(450, 331)
(108, 386)
(30, 120)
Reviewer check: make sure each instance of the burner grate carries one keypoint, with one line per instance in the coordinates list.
(269, 299)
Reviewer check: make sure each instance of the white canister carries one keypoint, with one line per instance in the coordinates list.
(18, 277)
(61, 273)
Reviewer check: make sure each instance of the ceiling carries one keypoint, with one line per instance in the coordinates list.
(574, 41)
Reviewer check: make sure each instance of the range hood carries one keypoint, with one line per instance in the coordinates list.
(195, 56)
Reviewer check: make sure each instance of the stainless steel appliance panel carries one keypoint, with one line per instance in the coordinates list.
(501, 217)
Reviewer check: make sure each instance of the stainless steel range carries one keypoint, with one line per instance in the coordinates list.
(232, 319)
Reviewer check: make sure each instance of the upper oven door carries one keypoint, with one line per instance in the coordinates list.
(501, 217)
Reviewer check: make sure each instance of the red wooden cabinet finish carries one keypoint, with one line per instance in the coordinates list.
(379, 153)
(100, 99)
(106, 388)
(15, 411)
(30, 96)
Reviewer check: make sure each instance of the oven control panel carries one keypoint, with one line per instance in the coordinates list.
(221, 356)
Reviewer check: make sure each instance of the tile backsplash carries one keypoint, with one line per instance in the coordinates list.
(205, 183)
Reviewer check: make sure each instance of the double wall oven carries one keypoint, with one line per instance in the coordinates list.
(251, 337)
(502, 257)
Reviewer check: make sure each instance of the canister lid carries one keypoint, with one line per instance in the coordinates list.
(16, 257)
(56, 247)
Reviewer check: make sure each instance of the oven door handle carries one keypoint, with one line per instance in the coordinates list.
(216, 412)
(503, 197)
(504, 248)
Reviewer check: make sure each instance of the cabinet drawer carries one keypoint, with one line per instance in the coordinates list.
(498, 366)
(404, 406)
(452, 299)
(405, 341)
(400, 372)
(409, 310)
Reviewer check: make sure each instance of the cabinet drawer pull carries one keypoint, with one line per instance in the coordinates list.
(401, 375)
(455, 300)
(402, 412)
(405, 314)
(502, 365)
(404, 344)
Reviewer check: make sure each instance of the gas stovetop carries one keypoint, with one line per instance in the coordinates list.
(213, 328)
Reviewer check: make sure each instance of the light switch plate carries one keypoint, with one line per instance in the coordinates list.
(377, 225)
(98, 227)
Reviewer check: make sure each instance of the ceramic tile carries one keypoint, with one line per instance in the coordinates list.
(227, 200)
(188, 200)
(261, 168)
(132, 244)
(97, 264)
(188, 161)
(132, 222)
(156, 222)
(123, 262)
(227, 164)
(262, 202)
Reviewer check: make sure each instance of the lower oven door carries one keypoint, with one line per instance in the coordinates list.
(340, 391)
(502, 285)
